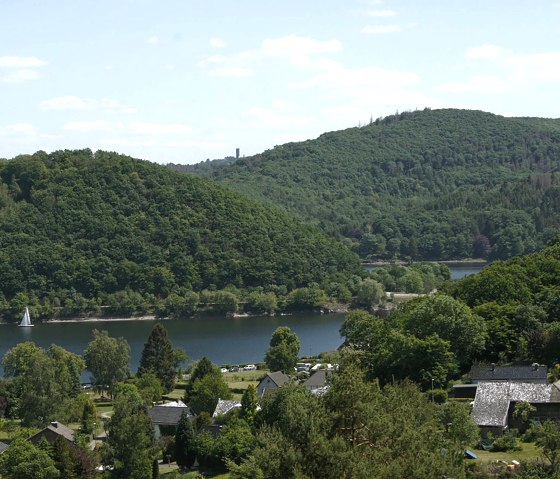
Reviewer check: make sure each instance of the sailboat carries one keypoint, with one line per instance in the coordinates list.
(26, 320)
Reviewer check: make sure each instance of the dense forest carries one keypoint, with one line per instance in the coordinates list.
(81, 229)
(426, 185)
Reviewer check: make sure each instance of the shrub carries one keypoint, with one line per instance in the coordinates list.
(439, 396)
(506, 442)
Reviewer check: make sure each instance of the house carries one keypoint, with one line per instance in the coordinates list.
(3, 447)
(165, 417)
(318, 381)
(53, 431)
(272, 381)
(495, 401)
(536, 373)
(225, 405)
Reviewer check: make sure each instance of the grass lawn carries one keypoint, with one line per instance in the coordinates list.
(529, 452)
(240, 380)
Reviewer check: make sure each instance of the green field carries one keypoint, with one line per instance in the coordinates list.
(529, 452)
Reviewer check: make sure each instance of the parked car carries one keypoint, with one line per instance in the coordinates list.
(234, 369)
(224, 370)
(250, 367)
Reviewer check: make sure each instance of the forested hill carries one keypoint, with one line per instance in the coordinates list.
(78, 226)
(432, 184)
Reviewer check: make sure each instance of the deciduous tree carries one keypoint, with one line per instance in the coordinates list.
(130, 435)
(284, 349)
(107, 359)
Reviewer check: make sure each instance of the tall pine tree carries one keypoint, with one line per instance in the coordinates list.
(185, 447)
(158, 357)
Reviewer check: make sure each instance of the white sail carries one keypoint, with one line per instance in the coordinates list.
(26, 320)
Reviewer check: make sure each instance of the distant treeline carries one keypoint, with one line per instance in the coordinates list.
(425, 185)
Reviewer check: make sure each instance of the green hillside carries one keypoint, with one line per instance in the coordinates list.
(76, 227)
(519, 299)
(432, 184)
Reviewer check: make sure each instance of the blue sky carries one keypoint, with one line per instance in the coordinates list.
(183, 81)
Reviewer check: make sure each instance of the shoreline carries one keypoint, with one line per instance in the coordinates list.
(330, 309)
(103, 320)
(458, 262)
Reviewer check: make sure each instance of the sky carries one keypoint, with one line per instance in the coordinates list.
(182, 81)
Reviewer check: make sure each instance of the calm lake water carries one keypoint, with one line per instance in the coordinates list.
(222, 340)
(457, 270)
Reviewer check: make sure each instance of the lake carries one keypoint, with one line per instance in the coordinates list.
(222, 340)
(457, 270)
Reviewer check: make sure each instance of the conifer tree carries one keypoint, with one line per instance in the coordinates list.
(62, 456)
(155, 469)
(185, 446)
(158, 357)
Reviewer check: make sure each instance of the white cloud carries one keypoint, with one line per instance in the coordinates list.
(335, 76)
(232, 72)
(193, 144)
(476, 84)
(381, 13)
(123, 142)
(152, 40)
(381, 29)
(538, 66)
(92, 126)
(21, 62)
(25, 129)
(70, 102)
(141, 128)
(274, 118)
(216, 42)
(293, 49)
(295, 46)
(485, 52)
(510, 71)
(132, 128)
(113, 106)
(19, 76)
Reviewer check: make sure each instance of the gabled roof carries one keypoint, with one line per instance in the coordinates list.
(225, 405)
(317, 380)
(278, 378)
(3, 447)
(165, 415)
(54, 429)
(492, 399)
(489, 372)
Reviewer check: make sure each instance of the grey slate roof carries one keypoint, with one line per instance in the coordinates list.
(54, 429)
(492, 399)
(3, 447)
(163, 415)
(279, 378)
(487, 372)
(317, 380)
(225, 405)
